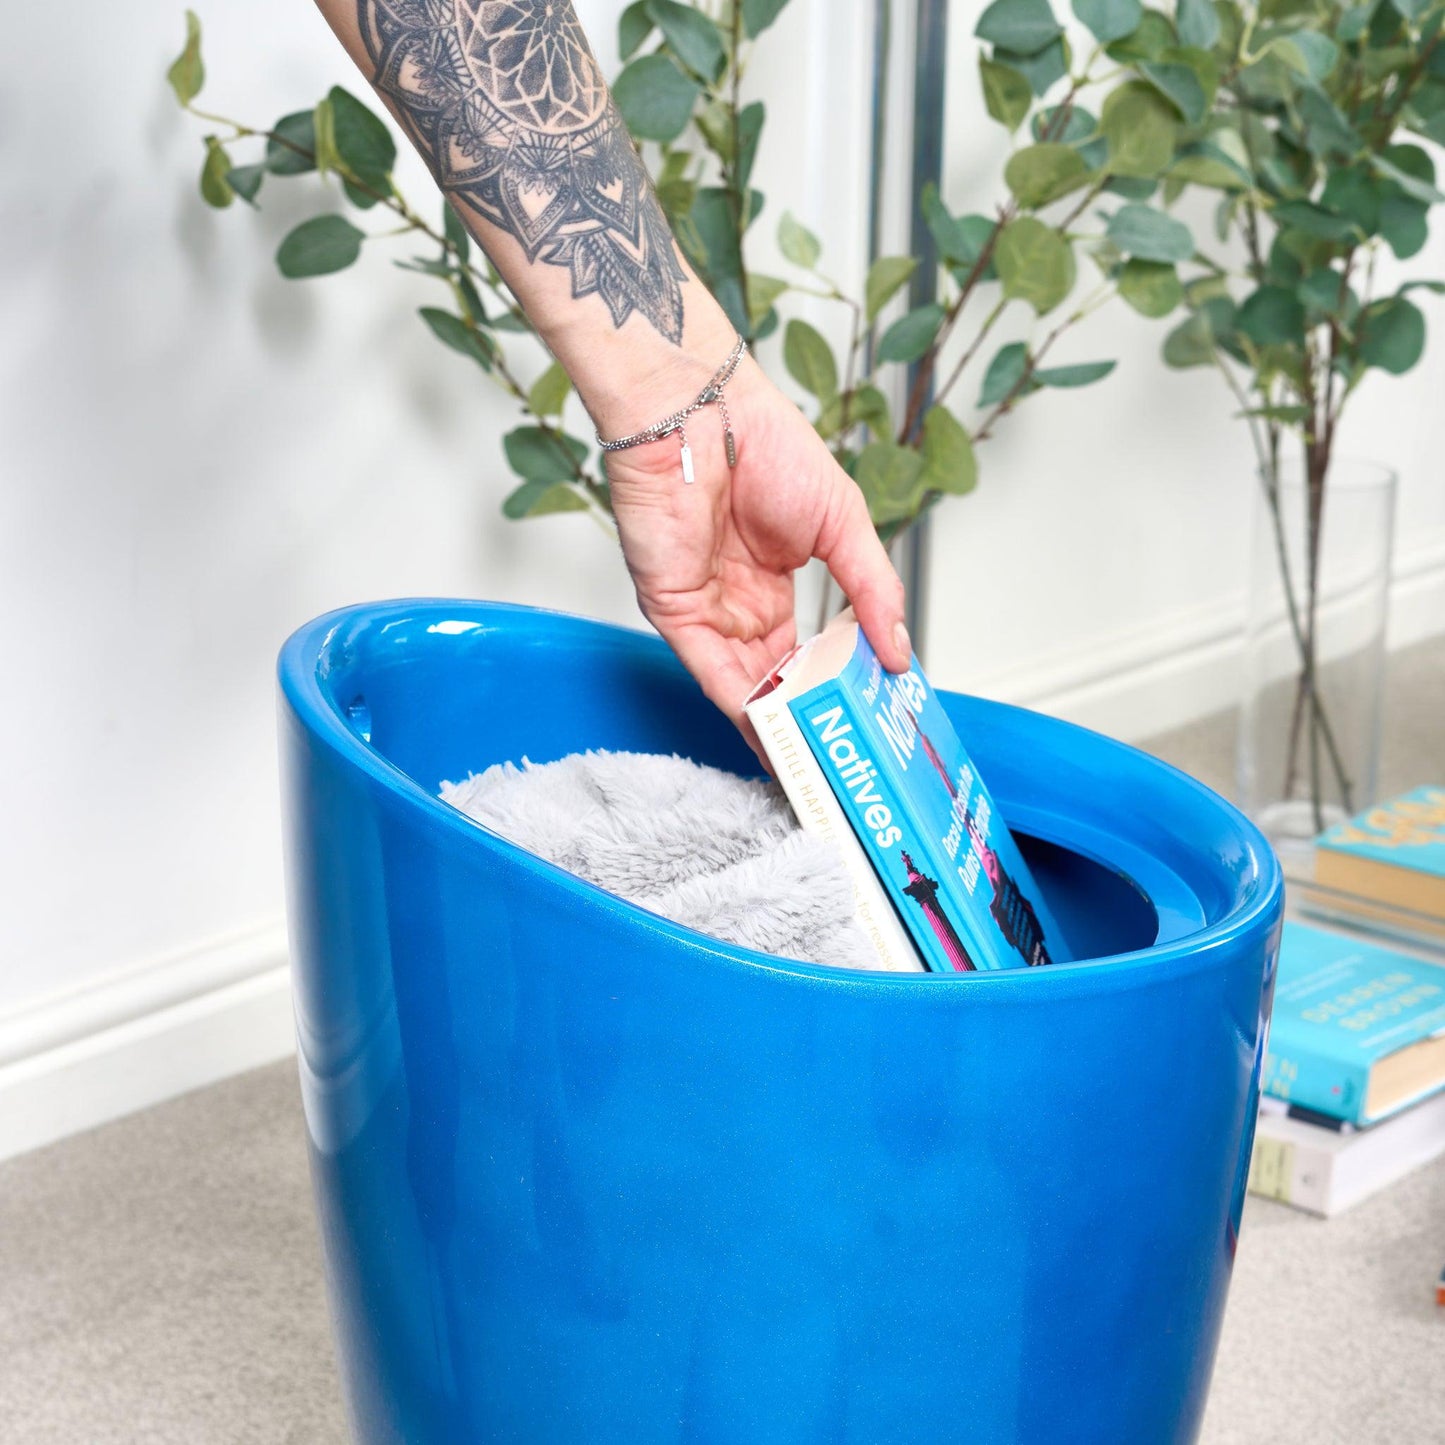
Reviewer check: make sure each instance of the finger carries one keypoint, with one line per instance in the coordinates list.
(719, 669)
(860, 566)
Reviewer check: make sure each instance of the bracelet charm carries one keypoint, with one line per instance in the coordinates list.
(711, 395)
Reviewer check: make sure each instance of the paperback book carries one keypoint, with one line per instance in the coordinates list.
(1358, 1031)
(1385, 868)
(1325, 1170)
(917, 806)
(819, 811)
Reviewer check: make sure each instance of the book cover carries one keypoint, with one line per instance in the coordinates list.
(819, 811)
(1327, 1170)
(1358, 1030)
(1391, 855)
(921, 810)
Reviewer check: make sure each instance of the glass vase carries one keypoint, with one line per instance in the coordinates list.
(1314, 657)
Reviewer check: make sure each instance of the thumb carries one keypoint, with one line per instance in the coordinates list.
(858, 562)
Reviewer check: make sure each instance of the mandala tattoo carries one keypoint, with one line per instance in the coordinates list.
(513, 115)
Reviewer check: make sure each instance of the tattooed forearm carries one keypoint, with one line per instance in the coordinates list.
(510, 110)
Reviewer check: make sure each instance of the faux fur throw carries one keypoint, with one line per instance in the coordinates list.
(718, 853)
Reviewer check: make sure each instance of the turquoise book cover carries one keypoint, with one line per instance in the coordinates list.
(954, 869)
(1358, 1031)
(1391, 855)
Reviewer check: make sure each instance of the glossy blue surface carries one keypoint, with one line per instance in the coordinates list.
(586, 1176)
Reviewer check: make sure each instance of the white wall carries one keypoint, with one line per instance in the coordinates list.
(199, 455)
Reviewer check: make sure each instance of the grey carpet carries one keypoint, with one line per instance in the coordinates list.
(160, 1280)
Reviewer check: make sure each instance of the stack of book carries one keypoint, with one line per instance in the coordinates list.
(871, 761)
(1383, 869)
(1354, 1078)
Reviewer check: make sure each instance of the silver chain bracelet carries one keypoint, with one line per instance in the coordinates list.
(711, 394)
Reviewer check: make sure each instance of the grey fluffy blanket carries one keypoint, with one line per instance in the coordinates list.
(718, 853)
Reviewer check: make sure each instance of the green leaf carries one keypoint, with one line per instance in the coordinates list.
(759, 14)
(910, 336)
(809, 360)
(1417, 187)
(1083, 373)
(364, 200)
(188, 73)
(750, 130)
(323, 123)
(1354, 193)
(362, 139)
(1073, 127)
(1353, 23)
(1041, 69)
(1035, 264)
(960, 239)
(1005, 372)
(798, 243)
(1153, 36)
(1025, 26)
(1319, 52)
(634, 25)
(1006, 93)
(453, 331)
(455, 232)
(1039, 174)
(291, 146)
(1180, 86)
(246, 181)
(949, 464)
(543, 456)
(1313, 220)
(888, 476)
(1152, 288)
(1191, 343)
(692, 36)
(1109, 20)
(886, 277)
(763, 294)
(713, 220)
(655, 98)
(1142, 129)
(1325, 291)
(1198, 24)
(549, 392)
(1149, 234)
(540, 499)
(1272, 316)
(216, 187)
(318, 247)
(1391, 335)
(870, 407)
(1405, 225)
(1326, 131)
(864, 406)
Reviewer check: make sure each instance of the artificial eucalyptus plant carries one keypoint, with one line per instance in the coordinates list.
(1305, 119)
(680, 94)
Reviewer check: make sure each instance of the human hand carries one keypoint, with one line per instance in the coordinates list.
(713, 562)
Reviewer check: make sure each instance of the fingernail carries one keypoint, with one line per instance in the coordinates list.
(901, 640)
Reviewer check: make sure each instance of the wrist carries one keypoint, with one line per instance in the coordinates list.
(631, 378)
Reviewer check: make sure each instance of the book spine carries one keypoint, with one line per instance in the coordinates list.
(839, 740)
(1299, 1076)
(1292, 1172)
(989, 888)
(819, 811)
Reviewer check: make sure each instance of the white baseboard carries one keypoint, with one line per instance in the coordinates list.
(136, 1038)
(1178, 668)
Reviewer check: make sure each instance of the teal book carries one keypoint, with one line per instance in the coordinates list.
(918, 806)
(1390, 856)
(1358, 1031)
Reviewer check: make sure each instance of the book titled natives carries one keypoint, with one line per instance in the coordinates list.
(1358, 1031)
(916, 805)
